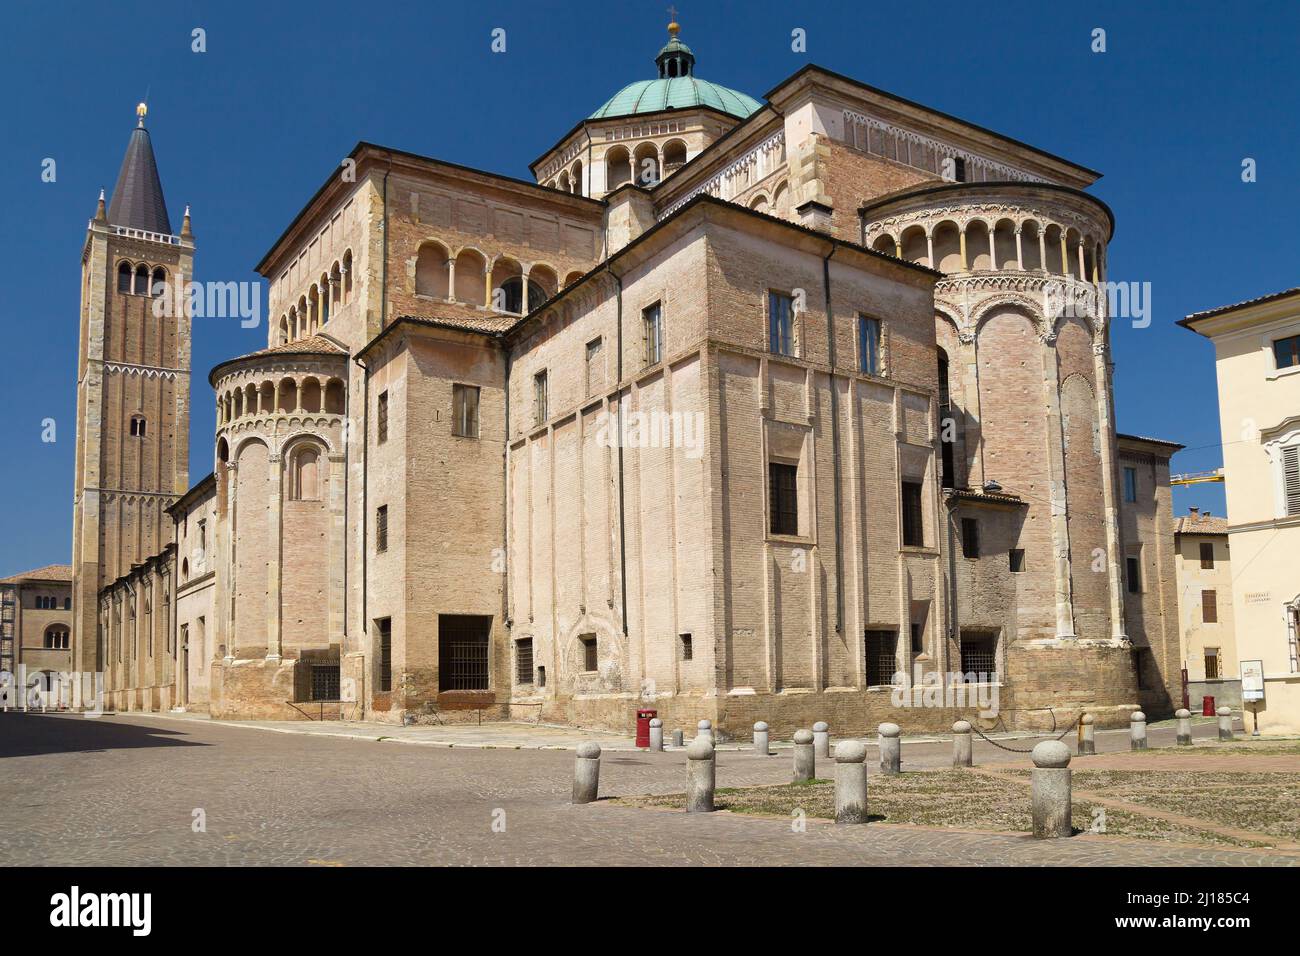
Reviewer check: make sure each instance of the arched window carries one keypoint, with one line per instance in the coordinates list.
(56, 637)
(141, 280)
(124, 277)
(646, 163)
(512, 290)
(138, 426)
(431, 271)
(674, 156)
(618, 168)
(304, 482)
(159, 282)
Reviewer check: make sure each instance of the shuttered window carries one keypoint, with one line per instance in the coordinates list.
(1207, 554)
(1210, 607)
(1291, 478)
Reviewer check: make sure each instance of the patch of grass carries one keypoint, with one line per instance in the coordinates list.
(960, 800)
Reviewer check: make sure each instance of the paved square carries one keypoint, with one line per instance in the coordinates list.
(123, 790)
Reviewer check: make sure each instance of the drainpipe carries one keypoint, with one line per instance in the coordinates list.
(835, 452)
(365, 488)
(622, 510)
(505, 497)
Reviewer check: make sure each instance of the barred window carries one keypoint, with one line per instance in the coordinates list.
(524, 661)
(464, 409)
(979, 656)
(385, 654)
(882, 657)
(381, 418)
(783, 492)
(688, 651)
(381, 528)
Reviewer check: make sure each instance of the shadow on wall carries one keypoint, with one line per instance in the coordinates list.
(34, 735)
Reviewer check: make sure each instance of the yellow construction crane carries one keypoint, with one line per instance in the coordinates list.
(1197, 477)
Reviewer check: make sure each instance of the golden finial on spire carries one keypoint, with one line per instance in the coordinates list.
(673, 27)
(140, 111)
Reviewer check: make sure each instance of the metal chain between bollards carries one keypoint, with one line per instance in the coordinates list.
(1017, 750)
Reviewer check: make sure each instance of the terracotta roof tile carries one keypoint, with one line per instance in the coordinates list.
(51, 572)
(1201, 524)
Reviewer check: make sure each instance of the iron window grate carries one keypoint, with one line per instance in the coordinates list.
(463, 652)
(979, 657)
(882, 657)
(325, 682)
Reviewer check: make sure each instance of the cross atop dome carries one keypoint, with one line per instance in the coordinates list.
(675, 59)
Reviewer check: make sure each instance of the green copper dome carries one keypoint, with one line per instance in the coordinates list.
(676, 88)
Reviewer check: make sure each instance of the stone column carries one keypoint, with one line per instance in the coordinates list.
(275, 525)
(1020, 252)
(451, 278)
(1042, 247)
(805, 757)
(678, 737)
(1184, 727)
(1065, 255)
(586, 772)
(929, 247)
(850, 782)
(822, 738)
(700, 776)
(1137, 731)
(656, 734)
(961, 238)
(1050, 790)
(962, 744)
(761, 739)
(891, 748)
(1225, 723)
(1087, 734)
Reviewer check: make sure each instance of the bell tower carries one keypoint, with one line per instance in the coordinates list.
(133, 387)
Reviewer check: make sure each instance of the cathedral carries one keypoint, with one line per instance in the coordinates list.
(735, 408)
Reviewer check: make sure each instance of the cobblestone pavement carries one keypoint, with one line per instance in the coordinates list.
(123, 791)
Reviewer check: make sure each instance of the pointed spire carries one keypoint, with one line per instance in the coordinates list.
(185, 224)
(100, 215)
(138, 197)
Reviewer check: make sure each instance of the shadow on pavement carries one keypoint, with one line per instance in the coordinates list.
(33, 735)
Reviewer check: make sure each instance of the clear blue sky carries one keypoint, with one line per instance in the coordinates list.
(247, 131)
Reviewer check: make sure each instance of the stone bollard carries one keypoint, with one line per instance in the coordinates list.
(891, 748)
(761, 739)
(963, 744)
(805, 757)
(586, 772)
(656, 734)
(678, 737)
(822, 739)
(1087, 734)
(704, 731)
(700, 777)
(1050, 787)
(1184, 727)
(1137, 731)
(1225, 723)
(850, 782)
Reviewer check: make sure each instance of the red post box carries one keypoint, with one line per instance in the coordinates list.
(1207, 707)
(643, 718)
